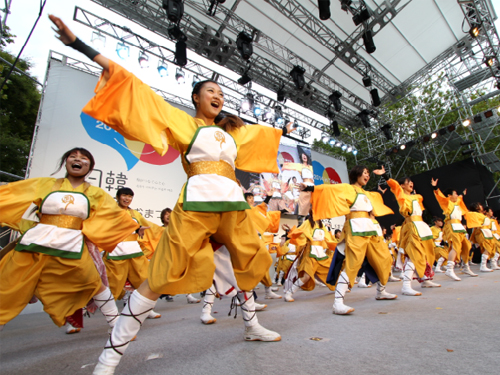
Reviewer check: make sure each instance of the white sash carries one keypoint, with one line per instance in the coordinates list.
(423, 230)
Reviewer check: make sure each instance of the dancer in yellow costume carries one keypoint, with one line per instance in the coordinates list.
(481, 233)
(211, 203)
(360, 237)
(454, 232)
(128, 261)
(441, 252)
(288, 252)
(317, 245)
(416, 237)
(495, 231)
(51, 260)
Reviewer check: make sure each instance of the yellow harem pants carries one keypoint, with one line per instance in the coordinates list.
(135, 270)
(314, 268)
(486, 244)
(371, 247)
(284, 265)
(62, 285)
(419, 251)
(183, 261)
(457, 242)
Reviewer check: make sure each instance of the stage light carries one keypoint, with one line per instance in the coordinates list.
(345, 4)
(367, 81)
(122, 50)
(386, 129)
(488, 113)
(477, 119)
(434, 135)
(442, 131)
(344, 147)
(180, 76)
(402, 147)
(410, 144)
(196, 79)
(143, 60)
(174, 9)
(466, 122)
(98, 40)
(335, 99)
(474, 31)
(395, 150)
(329, 113)
(426, 138)
(257, 111)
(362, 16)
(279, 120)
(281, 95)
(180, 53)
(364, 117)
(324, 9)
(247, 103)
(268, 114)
(468, 152)
(354, 152)
(375, 97)
(162, 68)
(244, 45)
(278, 115)
(176, 33)
(332, 142)
(489, 61)
(368, 41)
(334, 128)
(451, 127)
(349, 149)
(466, 143)
(297, 74)
(338, 144)
(244, 79)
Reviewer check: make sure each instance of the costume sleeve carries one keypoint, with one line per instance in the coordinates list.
(274, 221)
(462, 205)
(379, 208)
(134, 110)
(257, 148)
(474, 219)
(442, 200)
(151, 236)
(297, 235)
(16, 197)
(258, 216)
(330, 240)
(107, 224)
(397, 190)
(330, 201)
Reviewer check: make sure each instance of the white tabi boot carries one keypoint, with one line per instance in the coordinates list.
(125, 330)
(208, 302)
(484, 262)
(106, 303)
(382, 294)
(438, 268)
(340, 290)
(409, 270)
(153, 315)
(289, 294)
(450, 271)
(427, 283)
(468, 271)
(71, 329)
(270, 294)
(253, 330)
(191, 299)
(393, 279)
(280, 276)
(494, 262)
(362, 282)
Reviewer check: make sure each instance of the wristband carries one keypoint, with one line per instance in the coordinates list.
(83, 48)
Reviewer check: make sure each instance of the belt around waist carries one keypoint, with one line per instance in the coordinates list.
(62, 221)
(358, 215)
(414, 218)
(220, 168)
(317, 243)
(455, 221)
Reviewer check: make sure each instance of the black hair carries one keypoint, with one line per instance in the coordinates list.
(436, 218)
(337, 231)
(303, 152)
(163, 212)
(449, 191)
(124, 191)
(82, 151)
(311, 220)
(403, 180)
(356, 172)
(248, 195)
(476, 207)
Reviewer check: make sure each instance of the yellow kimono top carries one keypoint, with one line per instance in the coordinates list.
(209, 154)
(395, 234)
(437, 234)
(319, 238)
(453, 211)
(481, 222)
(105, 225)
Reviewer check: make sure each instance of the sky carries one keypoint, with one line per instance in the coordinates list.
(24, 13)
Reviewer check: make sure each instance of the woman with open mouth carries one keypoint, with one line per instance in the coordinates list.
(211, 203)
(52, 260)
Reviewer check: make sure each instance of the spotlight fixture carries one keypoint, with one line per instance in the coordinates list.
(489, 61)
(180, 76)
(468, 152)
(98, 40)
(338, 144)
(368, 41)
(362, 16)
(426, 138)
(349, 148)
(488, 113)
(212, 9)
(257, 111)
(329, 113)
(466, 122)
(410, 144)
(434, 135)
(354, 152)
(324, 9)
(244, 45)
(345, 4)
(442, 131)
(466, 143)
(143, 60)
(175, 10)
(278, 115)
(451, 128)
(386, 129)
(375, 97)
(281, 95)
(268, 114)
(367, 81)
(402, 147)
(297, 74)
(331, 142)
(176, 33)
(247, 103)
(474, 31)
(395, 150)
(477, 119)
(335, 99)
(244, 79)
(364, 117)
(122, 50)
(325, 138)
(162, 68)
(344, 147)
(196, 79)
(180, 53)
(334, 128)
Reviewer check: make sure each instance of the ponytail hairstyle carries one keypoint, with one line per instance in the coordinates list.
(225, 121)
(311, 220)
(82, 151)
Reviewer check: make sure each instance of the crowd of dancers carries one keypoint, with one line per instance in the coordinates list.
(216, 240)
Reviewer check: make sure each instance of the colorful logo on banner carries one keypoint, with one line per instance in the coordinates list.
(324, 175)
(131, 151)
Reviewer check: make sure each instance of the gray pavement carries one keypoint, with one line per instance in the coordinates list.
(449, 330)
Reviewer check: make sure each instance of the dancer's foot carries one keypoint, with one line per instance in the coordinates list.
(206, 318)
(271, 295)
(289, 297)
(429, 284)
(153, 315)
(191, 299)
(71, 329)
(102, 369)
(393, 279)
(259, 333)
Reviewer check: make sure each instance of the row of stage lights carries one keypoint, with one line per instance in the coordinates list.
(325, 138)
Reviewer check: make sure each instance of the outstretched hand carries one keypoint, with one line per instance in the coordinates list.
(434, 182)
(302, 186)
(465, 192)
(290, 128)
(141, 230)
(380, 171)
(285, 227)
(65, 34)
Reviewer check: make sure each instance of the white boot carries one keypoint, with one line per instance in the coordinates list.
(393, 279)
(270, 294)
(260, 306)
(409, 269)
(427, 283)
(106, 303)
(494, 262)
(450, 272)
(253, 330)
(191, 299)
(280, 276)
(153, 315)
(468, 271)
(289, 294)
(440, 262)
(338, 305)
(382, 294)
(206, 317)
(484, 262)
(362, 282)
(126, 328)
(71, 329)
